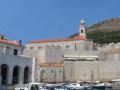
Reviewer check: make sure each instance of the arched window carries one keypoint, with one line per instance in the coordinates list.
(81, 31)
(31, 47)
(58, 46)
(15, 52)
(67, 47)
(43, 71)
(15, 78)
(60, 71)
(4, 73)
(26, 74)
(39, 48)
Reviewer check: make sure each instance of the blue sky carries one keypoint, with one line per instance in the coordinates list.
(42, 19)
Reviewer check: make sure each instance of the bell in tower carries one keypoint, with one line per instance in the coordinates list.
(82, 29)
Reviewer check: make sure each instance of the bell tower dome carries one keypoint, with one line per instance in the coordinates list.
(82, 29)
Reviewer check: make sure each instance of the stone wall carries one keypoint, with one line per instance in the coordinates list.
(91, 70)
(51, 52)
(51, 74)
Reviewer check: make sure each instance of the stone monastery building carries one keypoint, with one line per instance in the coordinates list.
(72, 59)
(58, 60)
(56, 50)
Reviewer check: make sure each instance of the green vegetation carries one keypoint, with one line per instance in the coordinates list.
(104, 36)
(107, 31)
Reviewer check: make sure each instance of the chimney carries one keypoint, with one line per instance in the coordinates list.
(20, 42)
(2, 36)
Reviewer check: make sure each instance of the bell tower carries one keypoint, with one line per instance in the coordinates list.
(82, 29)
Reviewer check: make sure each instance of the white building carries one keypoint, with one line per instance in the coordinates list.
(14, 68)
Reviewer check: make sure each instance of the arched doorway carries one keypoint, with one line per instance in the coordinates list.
(26, 75)
(4, 73)
(15, 78)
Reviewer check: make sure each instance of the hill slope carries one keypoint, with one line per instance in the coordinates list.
(108, 25)
(107, 31)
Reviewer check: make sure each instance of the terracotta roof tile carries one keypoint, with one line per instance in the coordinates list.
(58, 40)
(9, 42)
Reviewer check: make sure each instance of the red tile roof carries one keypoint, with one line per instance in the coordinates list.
(9, 42)
(58, 40)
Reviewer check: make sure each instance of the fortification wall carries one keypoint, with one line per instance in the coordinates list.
(91, 70)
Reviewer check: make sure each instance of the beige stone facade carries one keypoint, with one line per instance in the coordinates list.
(51, 73)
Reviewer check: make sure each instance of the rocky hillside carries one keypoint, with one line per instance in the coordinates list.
(107, 25)
(107, 31)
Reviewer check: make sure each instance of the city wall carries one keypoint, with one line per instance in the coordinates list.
(91, 70)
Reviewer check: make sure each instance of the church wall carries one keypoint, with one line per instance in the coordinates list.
(48, 54)
(53, 54)
(79, 44)
(43, 54)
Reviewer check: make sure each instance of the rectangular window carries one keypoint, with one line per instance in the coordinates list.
(67, 47)
(7, 51)
(15, 52)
